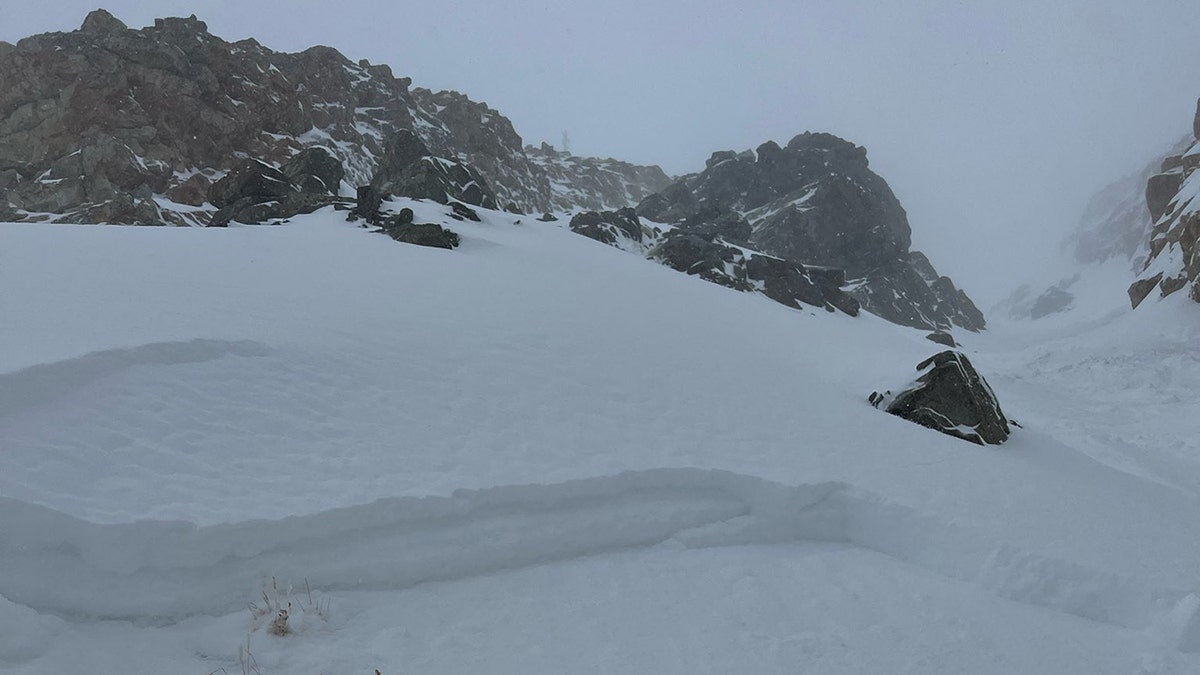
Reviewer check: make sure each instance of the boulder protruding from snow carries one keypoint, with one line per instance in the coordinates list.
(950, 396)
(609, 227)
(421, 234)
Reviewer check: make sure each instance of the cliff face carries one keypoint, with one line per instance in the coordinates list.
(817, 202)
(1173, 200)
(109, 124)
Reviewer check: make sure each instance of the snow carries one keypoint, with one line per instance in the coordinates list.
(536, 453)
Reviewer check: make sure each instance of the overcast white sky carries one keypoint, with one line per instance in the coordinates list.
(992, 121)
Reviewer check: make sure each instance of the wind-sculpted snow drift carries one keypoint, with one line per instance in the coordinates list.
(162, 572)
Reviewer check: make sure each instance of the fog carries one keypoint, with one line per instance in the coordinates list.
(993, 122)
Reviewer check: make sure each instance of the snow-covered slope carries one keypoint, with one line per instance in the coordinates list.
(538, 454)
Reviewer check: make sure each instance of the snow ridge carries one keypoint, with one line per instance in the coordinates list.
(163, 572)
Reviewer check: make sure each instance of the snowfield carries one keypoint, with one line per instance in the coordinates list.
(539, 454)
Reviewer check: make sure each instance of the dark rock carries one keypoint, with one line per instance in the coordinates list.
(548, 218)
(942, 338)
(1175, 237)
(785, 282)
(711, 261)
(1141, 288)
(718, 157)
(714, 222)
(1160, 190)
(1171, 163)
(250, 180)
(608, 227)
(368, 202)
(816, 202)
(463, 212)
(407, 169)
(421, 234)
(1196, 122)
(100, 21)
(253, 211)
(1170, 284)
(951, 397)
(122, 209)
(1054, 300)
(193, 191)
(315, 170)
(673, 204)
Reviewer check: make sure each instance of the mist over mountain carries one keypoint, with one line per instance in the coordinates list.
(171, 124)
(305, 368)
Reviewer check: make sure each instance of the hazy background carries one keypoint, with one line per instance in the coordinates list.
(993, 122)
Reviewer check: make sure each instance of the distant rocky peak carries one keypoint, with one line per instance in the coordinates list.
(816, 202)
(99, 21)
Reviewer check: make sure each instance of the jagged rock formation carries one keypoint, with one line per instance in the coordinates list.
(594, 184)
(817, 202)
(109, 124)
(1173, 199)
(622, 229)
(255, 192)
(950, 396)
(408, 169)
(698, 248)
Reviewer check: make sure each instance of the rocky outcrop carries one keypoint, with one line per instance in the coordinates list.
(1173, 200)
(315, 170)
(594, 184)
(950, 396)
(622, 229)
(816, 202)
(408, 169)
(110, 114)
(698, 247)
(942, 338)
(254, 192)
(421, 234)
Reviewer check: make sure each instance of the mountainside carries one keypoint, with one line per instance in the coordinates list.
(816, 202)
(1173, 198)
(109, 124)
(539, 454)
(1110, 242)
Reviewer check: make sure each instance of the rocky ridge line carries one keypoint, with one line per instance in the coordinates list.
(110, 124)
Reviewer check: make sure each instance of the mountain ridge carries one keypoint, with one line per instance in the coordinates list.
(109, 124)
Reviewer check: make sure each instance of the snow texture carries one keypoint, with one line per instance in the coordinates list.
(538, 454)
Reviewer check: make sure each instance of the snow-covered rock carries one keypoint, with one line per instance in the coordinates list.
(816, 202)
